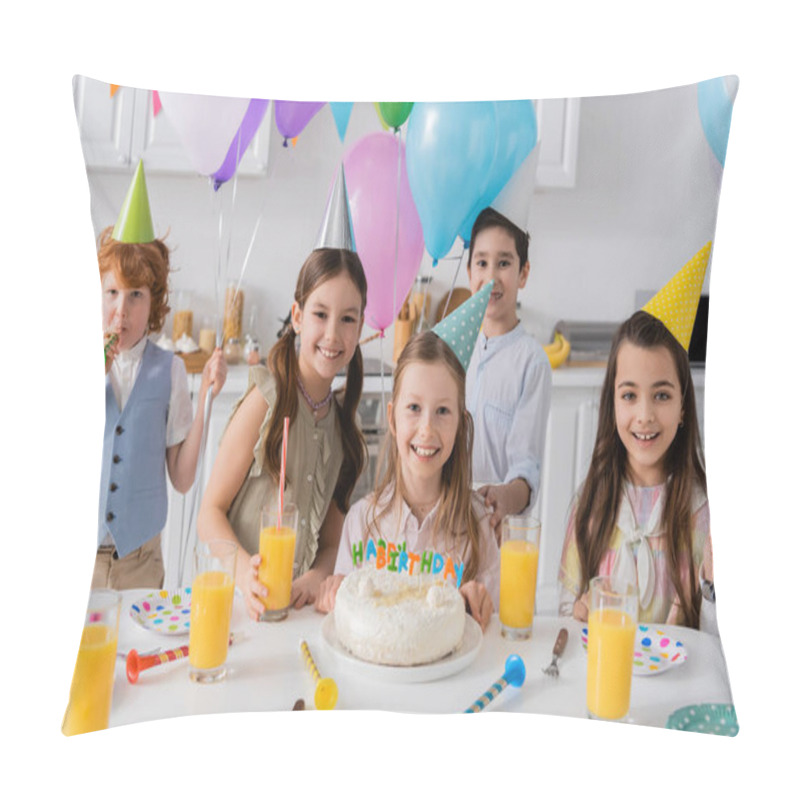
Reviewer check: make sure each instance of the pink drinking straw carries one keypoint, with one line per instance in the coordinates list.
(283, 471)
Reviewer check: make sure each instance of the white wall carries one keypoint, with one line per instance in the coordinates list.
(640, 209)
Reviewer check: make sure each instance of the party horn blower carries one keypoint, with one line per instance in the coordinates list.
(514, 675)
(112, 340)
(327, 693)
(135, 663)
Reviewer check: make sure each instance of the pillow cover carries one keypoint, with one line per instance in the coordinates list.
(617, 193)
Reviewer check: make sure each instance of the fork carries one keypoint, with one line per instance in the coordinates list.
(558, 649)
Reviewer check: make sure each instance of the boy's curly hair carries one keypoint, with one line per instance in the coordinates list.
(139, 265)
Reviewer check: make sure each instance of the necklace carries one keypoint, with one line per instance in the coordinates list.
(315, 407)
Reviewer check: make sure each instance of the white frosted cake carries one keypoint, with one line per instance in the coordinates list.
(398, 619)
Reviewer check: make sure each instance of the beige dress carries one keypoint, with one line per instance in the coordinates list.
(313, 460)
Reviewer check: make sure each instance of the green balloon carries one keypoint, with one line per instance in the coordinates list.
(395, 114)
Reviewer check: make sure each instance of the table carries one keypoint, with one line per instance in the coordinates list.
(266, 672)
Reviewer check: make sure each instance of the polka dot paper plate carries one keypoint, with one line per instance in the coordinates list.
(654, 652)
(165, 611)
(717, 718)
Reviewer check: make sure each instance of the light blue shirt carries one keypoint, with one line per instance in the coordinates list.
(509, 383)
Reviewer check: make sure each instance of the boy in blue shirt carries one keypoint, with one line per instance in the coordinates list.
(509, 379)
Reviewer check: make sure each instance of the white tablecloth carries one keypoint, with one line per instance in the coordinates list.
(266, 672)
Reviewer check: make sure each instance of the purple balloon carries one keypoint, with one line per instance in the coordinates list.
(241, 141)
(292, 116)
(390, 247)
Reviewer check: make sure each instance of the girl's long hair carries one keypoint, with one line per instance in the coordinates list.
(322, 265)
(455, 517)
(600, 498)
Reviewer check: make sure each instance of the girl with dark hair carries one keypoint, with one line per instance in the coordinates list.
(326, 450)
(642, 511)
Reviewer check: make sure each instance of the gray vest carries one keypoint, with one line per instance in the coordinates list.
(133, 482)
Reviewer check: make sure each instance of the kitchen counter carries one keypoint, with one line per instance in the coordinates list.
(567, 375)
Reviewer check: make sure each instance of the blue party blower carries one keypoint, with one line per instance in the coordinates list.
(514, 675)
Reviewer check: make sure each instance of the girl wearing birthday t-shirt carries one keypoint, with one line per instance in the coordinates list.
(423, 501)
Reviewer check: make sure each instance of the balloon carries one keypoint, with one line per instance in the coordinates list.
(380, 116)
(516, 137)
(292, 116)
(450, 149)
(390, 245)
(341, 116)
(715, 105)
(205, 124)
(241, 140)
(394, 114)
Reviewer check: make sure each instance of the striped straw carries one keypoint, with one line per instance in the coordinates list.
(283, 470)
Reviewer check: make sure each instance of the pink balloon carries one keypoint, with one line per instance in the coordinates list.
(370, 168)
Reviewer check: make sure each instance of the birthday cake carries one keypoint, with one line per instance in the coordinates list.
(398, 619)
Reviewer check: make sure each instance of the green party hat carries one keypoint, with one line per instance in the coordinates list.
(134, 224)
(460, 327)
(676, 302)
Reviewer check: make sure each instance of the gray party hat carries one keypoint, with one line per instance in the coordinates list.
(460, 327)
(337, 227)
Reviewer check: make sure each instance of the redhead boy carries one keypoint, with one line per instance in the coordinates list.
(150, 430)
(509, 378)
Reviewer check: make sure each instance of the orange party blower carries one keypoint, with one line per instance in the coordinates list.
(135, 663)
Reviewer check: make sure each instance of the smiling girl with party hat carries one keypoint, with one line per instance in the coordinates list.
(423, 501)
(642, 512)
(325, 448)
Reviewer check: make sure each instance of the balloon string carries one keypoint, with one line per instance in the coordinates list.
(398, 139)
(452, 285)
(217, 209)
(381, 417)
(252, 242)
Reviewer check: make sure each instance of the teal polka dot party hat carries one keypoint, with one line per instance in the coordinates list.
(460, 327)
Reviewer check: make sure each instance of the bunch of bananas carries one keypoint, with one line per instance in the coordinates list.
(558, 350)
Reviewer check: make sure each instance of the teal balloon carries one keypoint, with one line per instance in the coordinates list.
(517, 134)
(341, 116)
(715, 105)
(449, 150)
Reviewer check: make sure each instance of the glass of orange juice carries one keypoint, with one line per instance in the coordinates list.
(276, 548)
(93, 680)
(519, 563)
(613, 609)
(210, 610)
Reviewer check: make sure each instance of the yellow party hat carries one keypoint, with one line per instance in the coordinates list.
(676, 302)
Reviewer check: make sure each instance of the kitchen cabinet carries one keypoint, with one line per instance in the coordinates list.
(557, 121)
(571, 432)
(117, 131)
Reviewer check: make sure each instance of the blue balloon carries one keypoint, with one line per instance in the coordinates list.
(715, 105)
(449, 150)
(516, 136)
